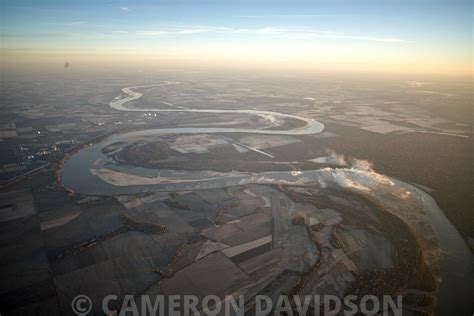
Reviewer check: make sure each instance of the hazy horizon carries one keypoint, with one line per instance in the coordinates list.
(420, 38)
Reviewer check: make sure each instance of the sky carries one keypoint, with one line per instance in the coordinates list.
(432, 37)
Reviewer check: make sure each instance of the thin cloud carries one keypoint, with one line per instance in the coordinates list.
(125, 9)
(120, 32)
(290, 33)
(283, 16)
(368, 38)
(160, 32)
(77, 23)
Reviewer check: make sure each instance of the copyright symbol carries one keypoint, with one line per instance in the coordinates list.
(81, 305)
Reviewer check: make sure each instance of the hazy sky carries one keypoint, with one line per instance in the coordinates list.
(389, 36)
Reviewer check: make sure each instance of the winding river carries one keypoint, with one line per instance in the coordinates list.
(89, 171)
(310, 126)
